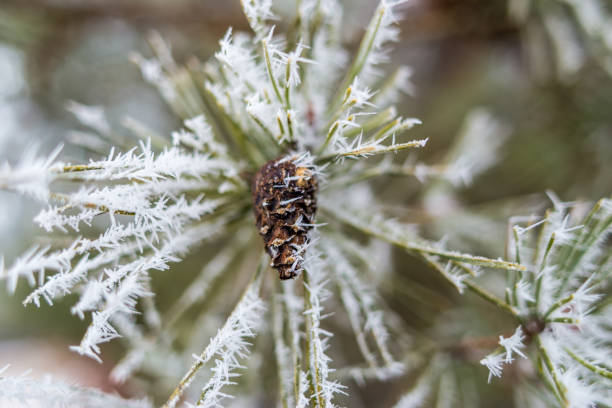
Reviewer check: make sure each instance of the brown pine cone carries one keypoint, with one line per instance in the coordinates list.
(284, 201)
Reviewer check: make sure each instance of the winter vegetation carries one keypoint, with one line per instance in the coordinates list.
(302, 101)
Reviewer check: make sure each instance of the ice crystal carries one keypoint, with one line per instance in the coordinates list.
(494, 365)
(513, 344)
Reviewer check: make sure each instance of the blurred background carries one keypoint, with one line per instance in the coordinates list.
(543, 70)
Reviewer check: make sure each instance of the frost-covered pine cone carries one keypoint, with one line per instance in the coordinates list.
(275, 127)
(285, 203)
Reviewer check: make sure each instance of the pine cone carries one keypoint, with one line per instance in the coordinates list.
(284, 198)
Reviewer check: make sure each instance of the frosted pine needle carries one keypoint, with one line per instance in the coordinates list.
(23, 391)
(229, 345)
